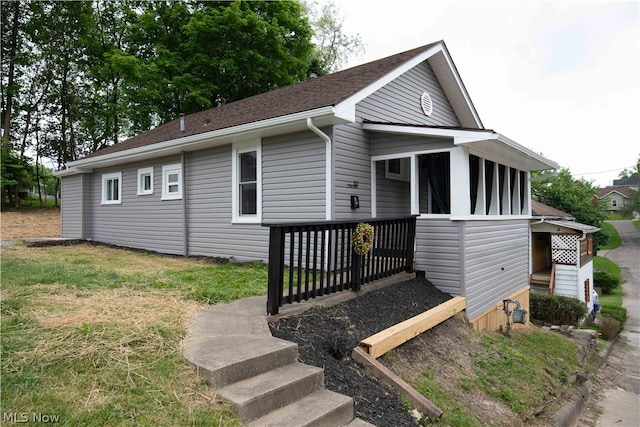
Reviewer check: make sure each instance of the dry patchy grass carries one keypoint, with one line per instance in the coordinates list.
(30, 222)
(87, 335)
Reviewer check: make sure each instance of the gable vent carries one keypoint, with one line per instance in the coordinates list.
(426, 103)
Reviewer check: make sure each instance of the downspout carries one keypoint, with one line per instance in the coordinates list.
(185, 225)
(328, 169)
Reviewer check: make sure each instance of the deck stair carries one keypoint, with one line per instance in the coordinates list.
(232, 347)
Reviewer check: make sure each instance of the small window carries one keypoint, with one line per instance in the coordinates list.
(111, 188)
(145, 181)
(247, 182)
(398, 169)
(172, 182)
(614, 203)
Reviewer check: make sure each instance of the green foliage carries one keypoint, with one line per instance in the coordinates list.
(332, 45)
(453, 414)
(615, 312)
(85, 75)
(575, 197)
(613, 238)
(505, 372)
(606, 281)
(632, 206)
(556, 309)
(605, 264)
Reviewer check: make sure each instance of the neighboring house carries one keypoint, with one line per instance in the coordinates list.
(617, 197)
(397, 136)
(632, 181)
(561, 254)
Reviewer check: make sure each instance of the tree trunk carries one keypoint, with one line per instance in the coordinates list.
(10, 85)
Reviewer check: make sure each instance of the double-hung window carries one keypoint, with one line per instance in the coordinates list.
(172, 182)
(145, 181)
(112, 188)
(247, 182)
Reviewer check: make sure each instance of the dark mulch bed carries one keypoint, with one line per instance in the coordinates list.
(326, 336)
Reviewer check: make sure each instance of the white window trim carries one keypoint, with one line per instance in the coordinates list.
(141, 173)
(166, 170)
(239, 148)
(109, 176)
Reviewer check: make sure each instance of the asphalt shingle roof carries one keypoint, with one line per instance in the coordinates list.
(314, 93)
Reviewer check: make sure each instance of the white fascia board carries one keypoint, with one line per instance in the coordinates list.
(459, 86)
(323, 116)
(469, 138)
(350, 103)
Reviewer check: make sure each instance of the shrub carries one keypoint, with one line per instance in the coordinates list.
(556, 309)
(605, 280)
(609, 328)
(615, 312)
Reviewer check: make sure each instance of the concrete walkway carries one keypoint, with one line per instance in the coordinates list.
(233, 349)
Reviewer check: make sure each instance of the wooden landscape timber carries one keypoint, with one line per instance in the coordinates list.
(380, 343)
(384, 374)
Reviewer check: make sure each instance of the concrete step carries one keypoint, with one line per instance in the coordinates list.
(228, 359)
(357, 422)
(257, 396)
(321, 408)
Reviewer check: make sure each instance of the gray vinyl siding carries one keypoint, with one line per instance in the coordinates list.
(87, 206)
(393, 196)
(293, 178)
(352, 163)
(387, 144)
(71, 206)
(399, 100)
(439, 253)
(209, 207)
(496, 262)
(139, 221)
(566, 281)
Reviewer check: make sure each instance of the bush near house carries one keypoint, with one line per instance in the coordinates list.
(609, 328)
(606, 281)
(556, 309)
(614, 312)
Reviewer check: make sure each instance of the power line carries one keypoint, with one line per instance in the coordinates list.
(608, 170)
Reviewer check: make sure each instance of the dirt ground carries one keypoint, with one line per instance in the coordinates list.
(30, 222)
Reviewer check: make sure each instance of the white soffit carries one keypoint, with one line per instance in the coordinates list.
(484, 143)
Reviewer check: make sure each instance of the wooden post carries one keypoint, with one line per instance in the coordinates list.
(356, 269)
(276, 270)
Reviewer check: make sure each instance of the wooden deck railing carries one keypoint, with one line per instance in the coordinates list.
(311, 259)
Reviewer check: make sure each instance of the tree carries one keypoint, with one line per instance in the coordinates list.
(78, 76)
(332, 46)
(576, 197)
(627, 172)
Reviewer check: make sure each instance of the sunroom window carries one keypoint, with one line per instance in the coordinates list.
(496, 189)
(434, 183)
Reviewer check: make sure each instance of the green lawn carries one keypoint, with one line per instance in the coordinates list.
(614, 238)
(93, 334)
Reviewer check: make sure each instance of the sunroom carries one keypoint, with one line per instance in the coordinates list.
(471, 192)
(450, 173)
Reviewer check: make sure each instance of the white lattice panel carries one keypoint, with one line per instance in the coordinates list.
(564, 248)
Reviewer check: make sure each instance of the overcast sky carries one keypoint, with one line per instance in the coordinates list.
(560, 77)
